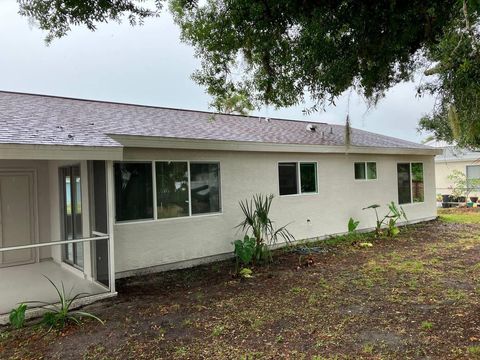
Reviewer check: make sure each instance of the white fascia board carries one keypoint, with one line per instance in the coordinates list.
(222, 145)
(59, 152)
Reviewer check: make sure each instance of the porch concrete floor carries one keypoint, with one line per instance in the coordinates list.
(27, 283)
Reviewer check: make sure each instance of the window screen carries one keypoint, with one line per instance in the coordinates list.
(288, 178)
(371, 170)
(308, 177)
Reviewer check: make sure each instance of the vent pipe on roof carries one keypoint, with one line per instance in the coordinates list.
(311, 127)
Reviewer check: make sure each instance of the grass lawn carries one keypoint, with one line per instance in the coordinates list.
(412, 297)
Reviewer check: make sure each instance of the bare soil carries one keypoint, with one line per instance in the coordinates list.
(415, 296)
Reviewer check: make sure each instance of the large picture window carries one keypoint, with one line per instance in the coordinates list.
(181, 189)
(133, 191)
(297, 178)
(410, 183)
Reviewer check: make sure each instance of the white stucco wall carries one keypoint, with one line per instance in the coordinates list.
(157, 242)
(444, 168)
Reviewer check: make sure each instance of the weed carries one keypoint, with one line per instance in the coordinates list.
(17, 316)
(426, 325)
(58, 316)
(218, 330)
(367, 348)
(181, 351)
(474, 350)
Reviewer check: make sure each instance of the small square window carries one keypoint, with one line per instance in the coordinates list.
(297, 178)
(365, 170)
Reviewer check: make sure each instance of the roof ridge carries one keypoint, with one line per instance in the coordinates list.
(161, 107)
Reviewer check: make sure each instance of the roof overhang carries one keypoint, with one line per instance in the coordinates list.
(133, 141)
(59, 152)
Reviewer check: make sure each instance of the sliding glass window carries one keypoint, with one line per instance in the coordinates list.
(410, 183)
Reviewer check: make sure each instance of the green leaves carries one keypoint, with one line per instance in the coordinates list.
(245, 249)
(389, 220)
(17, 316)
(352, 225)
(59, 315)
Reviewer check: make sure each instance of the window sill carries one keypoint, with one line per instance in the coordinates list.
(180, 218)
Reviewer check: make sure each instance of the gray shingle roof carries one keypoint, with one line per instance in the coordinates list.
(49, 120)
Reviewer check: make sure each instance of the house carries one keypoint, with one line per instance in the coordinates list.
(452, 158)
(93, 191)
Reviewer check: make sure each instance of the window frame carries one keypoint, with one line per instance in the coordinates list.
(366, 170)
(299, 180)
(154, 191)
(411, 182)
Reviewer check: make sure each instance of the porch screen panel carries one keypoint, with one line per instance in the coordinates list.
(205, 187)
(133, 191)
(403, 177)
(172, 189)
(417, 182)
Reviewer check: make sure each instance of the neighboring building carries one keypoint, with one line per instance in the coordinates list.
(453, 158)
(92, 191)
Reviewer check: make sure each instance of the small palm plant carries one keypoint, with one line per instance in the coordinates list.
(61, 314)
(257, 222)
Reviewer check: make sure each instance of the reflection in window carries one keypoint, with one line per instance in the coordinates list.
(172, 189)
(287, 178)
(365, 170)
(417, 182)
(308, 177)
(403, 178)
(133, 191)
(205, 187)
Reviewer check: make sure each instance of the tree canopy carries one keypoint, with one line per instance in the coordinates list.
(285, 52)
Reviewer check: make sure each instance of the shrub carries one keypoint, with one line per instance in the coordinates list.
(244, 250)
(352, 225)
(58, 316)
(257, 222)
(17, 316)
(389, 220)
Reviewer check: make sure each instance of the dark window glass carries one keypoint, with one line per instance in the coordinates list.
(417, 182)
(404, 190)
(308, 177)
(205, 187)
(288, 178)
(371, 170)
(133, 191)
(360, 171)
(172, 189)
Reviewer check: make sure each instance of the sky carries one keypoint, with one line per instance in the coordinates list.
(150, 65)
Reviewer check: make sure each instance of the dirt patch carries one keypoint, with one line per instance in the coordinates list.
(411, 297)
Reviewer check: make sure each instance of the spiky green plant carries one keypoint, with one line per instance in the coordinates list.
(389, 220)
(61, 314)
(257, 222)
